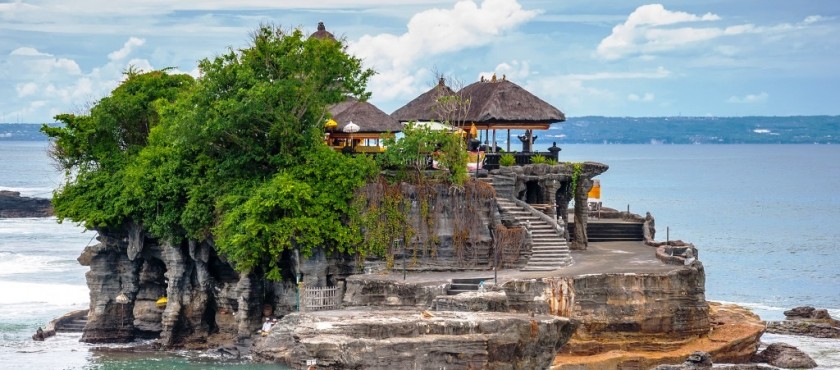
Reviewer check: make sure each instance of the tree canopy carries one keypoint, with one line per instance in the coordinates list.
(236, 155)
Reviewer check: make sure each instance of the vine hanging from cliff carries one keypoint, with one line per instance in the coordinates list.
(508, 243)
(467, 225)
(577, 170)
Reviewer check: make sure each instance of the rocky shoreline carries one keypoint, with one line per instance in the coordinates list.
(620, 304)
(12, 205)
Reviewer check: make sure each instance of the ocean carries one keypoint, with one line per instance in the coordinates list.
(765, 219)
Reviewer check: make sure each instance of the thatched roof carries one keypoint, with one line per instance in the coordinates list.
(504, 104)
(369, 118)
(322, 33)
(425, 107)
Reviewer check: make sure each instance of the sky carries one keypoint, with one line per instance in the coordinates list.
(606, 58)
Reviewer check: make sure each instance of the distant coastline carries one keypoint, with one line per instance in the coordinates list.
(632, 130)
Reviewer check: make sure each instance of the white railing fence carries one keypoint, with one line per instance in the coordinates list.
(320, 298)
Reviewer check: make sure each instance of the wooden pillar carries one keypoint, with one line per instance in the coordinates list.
(508, 141)
(494, 140)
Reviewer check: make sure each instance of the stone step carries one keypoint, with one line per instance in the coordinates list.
(549, 250)
(74, 326)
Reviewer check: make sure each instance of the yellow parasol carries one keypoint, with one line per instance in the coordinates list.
(331, 124)
(473, 131)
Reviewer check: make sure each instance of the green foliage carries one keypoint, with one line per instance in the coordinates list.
(507, 160)
(301, 208)
(551, 162)
(96, 148)
(420, 144)
(537, 159)
(577, 169)
(381, 217)
(236, 156)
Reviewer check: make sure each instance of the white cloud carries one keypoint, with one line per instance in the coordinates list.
(43, 63)
(813, 19)
(433, 32)
(29, 52)
(640, 31)
(26, 89)
(646, 97)
(514, 71)
(127, 48)
(749, 98)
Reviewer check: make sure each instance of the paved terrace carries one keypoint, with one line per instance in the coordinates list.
(600, 258)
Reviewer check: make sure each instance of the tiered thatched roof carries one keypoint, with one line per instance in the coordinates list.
(500, 104)
(322, 33)
(425, 107)
(369, 118)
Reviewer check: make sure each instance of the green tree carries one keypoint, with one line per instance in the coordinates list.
(95, 148)
(420, 144)
(236, 156)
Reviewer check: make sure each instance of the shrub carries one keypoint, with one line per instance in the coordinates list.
(551, 162)
(537, 159)
(507, 160)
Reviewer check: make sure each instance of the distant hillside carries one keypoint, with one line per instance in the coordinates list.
(642, 130)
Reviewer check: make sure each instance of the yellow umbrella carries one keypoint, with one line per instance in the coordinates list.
(473, 131)
(331, 124)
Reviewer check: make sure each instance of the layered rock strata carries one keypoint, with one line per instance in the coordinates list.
(354, 339)
(734, 338)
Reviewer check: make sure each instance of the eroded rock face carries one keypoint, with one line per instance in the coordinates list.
(111, 274)
(625, 309)
(669, 305)
(354, 339)
(785, 356)
(206, 298)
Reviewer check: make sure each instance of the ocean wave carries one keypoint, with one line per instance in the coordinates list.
(16, 263)
(36, 294)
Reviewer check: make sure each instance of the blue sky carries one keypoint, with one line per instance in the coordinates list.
(611, 58)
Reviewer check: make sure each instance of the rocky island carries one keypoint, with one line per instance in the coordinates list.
(12, 205)
(247, 196)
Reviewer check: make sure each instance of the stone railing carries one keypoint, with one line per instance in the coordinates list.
(491, 160)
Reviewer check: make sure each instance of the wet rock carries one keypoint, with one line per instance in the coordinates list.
(13, 205)
(807, 321)
(695, 361)
(39, 335)
(785, 356)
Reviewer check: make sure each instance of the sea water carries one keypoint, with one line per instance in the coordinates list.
(765, 219)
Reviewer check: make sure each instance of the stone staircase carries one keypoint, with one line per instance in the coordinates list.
(72, 326)
(549, 249)
(465, 285)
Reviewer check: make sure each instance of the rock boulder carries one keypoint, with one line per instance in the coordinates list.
(785, 356)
